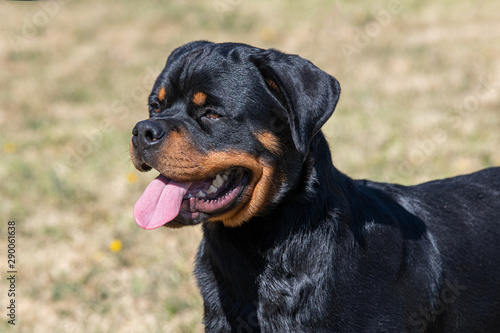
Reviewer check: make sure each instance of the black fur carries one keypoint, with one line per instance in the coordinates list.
(332, 254)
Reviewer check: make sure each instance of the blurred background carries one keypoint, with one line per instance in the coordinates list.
(420, 100)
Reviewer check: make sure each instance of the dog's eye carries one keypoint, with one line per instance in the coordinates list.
(155, 106)
(211, 114)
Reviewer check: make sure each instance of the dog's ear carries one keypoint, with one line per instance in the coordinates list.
(308, 94)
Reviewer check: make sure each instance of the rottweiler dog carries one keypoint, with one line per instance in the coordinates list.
(290, 243)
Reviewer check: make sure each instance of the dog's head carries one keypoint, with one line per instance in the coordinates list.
(228, 130)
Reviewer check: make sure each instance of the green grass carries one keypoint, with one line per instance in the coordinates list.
(419, 101)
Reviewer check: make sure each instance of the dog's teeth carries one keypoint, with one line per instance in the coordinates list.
(218, 181)
(189, 196)
(225, 177)
(212, 189)
(201, 194)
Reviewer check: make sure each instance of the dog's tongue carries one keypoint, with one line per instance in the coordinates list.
(160, 202)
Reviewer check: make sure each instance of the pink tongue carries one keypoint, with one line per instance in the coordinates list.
(160, 202)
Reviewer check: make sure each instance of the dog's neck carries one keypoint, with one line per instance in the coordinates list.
(234, 258)
(326, 189)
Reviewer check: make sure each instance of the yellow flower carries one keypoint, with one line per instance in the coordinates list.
(131, 177)
(9, 148)
(115, 245)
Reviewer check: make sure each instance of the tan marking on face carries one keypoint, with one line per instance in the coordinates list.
(199, 98)
(270, 141)
(257, 196)
(273, 85)
(179, 159)
(162, 94)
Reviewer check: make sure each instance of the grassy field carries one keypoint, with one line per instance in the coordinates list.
(421, 100)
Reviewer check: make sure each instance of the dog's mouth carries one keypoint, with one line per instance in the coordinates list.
(165, 199)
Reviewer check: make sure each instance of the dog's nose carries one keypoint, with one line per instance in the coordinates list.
(147, 133)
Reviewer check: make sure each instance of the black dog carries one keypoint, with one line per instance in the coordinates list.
(290, 243)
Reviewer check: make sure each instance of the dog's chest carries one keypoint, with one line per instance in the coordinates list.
(285, 292)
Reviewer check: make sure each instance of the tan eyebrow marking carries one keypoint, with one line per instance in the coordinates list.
(161, 94)
(199, 98)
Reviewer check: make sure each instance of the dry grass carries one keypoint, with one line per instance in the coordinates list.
(420, 100)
